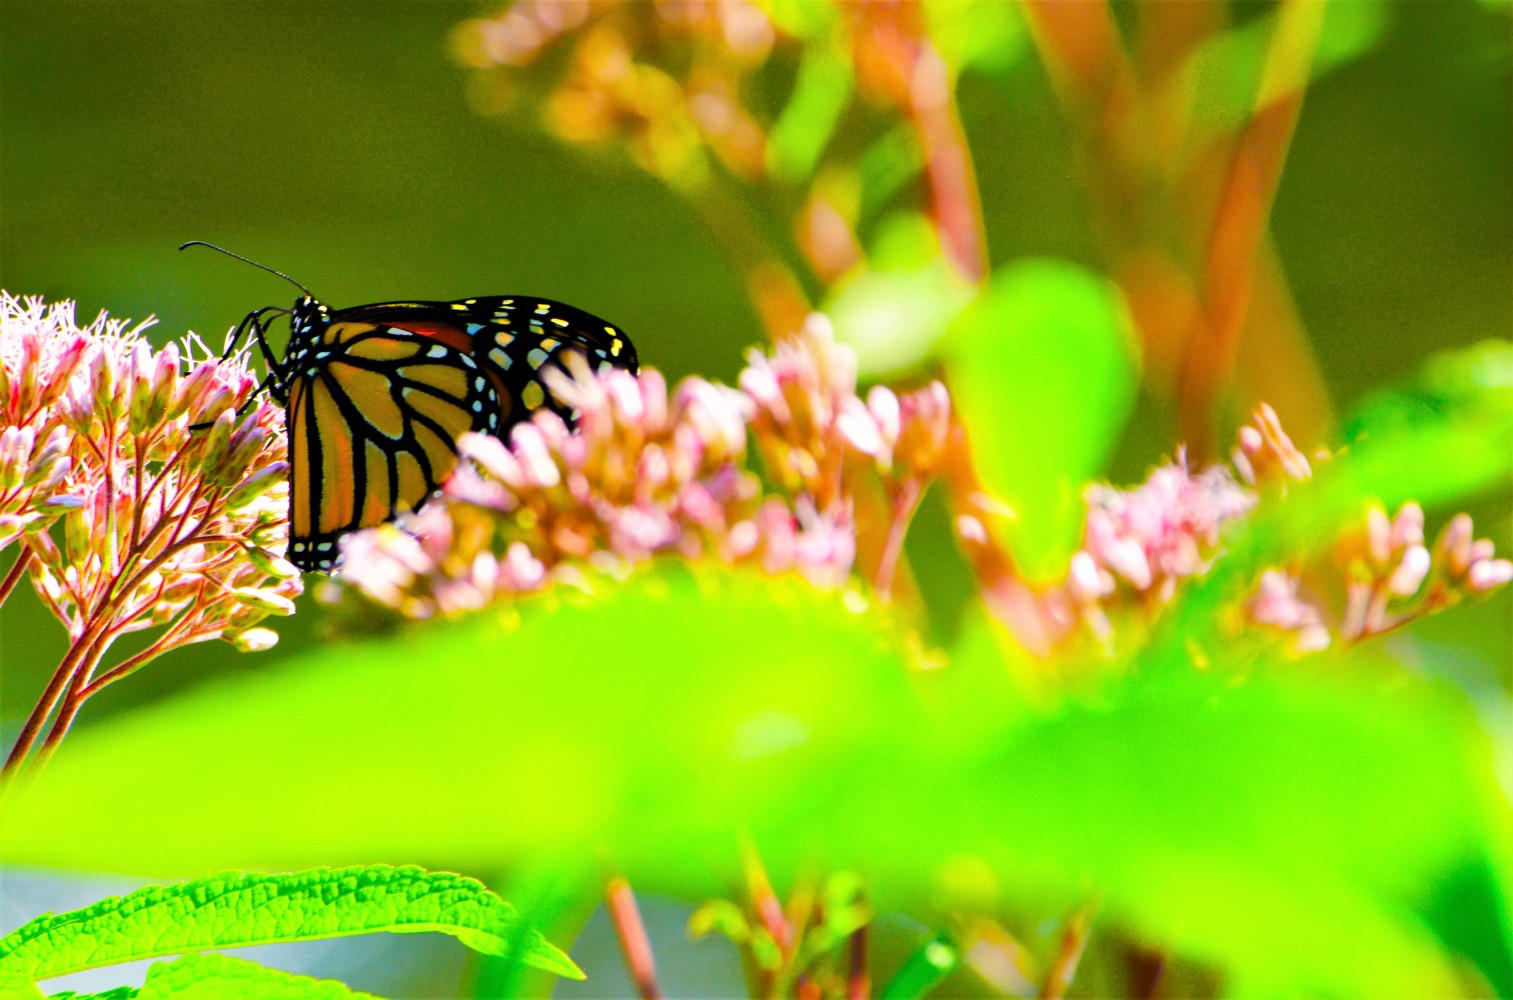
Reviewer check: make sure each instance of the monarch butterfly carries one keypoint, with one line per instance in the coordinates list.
(376, 396)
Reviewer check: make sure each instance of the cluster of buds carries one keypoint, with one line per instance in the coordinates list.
(1392, 577)
(1140, 545)
(649, 472)
(1265, 457)
(39, 352)
(145, 489)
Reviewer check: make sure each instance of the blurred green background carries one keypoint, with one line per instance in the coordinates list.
(334, 141)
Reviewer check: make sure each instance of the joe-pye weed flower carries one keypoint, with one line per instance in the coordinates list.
(141, 489)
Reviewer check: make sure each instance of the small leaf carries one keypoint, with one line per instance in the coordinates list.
(820, 95)
(931, 962)
(232, 909)
(719, 915)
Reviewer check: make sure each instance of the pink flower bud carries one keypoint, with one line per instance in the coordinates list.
(216, 440)
(884, 407)
(279, 569)
(165, 374)
(193, 390)
(15, 455)
(256, 484)
(1378, 537)
(63, 368)
(60, 503)
(1408, 527)
(254, 640)
(264, 600)
(1489, 574)
(925, 428)
(1410, 572)
(859, 427)
(1454, 545)
(535, 460)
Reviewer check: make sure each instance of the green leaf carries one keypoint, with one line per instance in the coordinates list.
(1294, 828)
(233, 909)
(892, 160)
(670, 711)
(820, 95)
(14, 986)
(223, 977)
(926, 966)
(1043, 372)
(986, 35)
(719, 915)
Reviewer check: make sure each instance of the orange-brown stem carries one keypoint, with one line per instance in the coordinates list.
(634, 944)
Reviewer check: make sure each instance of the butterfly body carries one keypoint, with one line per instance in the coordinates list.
(376, 397)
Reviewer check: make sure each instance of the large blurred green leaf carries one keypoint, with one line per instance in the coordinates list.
(1043, 372)
(1289, 828)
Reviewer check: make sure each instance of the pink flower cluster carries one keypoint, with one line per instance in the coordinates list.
(139, 491)
(648, 472)
(1140, 545)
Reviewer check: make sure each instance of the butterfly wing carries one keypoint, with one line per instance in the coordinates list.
(373, 425)
(513, 338)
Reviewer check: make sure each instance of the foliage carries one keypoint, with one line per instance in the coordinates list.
(236, 909)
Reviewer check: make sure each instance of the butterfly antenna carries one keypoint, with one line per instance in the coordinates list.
(265, 267)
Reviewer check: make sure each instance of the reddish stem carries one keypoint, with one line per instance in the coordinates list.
(634, 944)
(858, 983)
(84, 668)
(16, 572)
(39, 714)
(948, 165)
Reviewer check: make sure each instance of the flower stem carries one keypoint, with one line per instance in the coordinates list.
(94, 644)
(904, 504)
(956, 204)
(632, 934)
(39, 715)
(16, 572)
